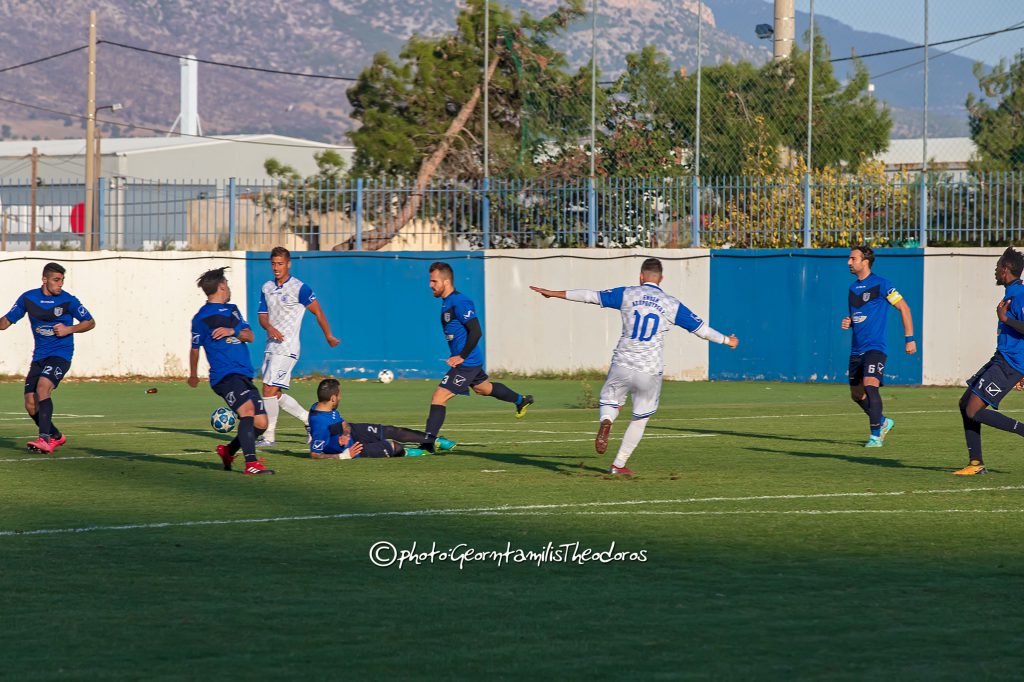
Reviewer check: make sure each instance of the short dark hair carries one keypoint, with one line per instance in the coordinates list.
(327, 389)
(652, 266)
(1013, 260)
(51, 268)
(280, 252)
(443, 268)
(866, 252)
(211, 279)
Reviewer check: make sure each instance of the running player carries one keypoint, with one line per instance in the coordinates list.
(222, 332)
(638, 360)
(463, 332)
(335, 438)
(1003, 372)
(51, 312)
(283, 302)
(869, 301)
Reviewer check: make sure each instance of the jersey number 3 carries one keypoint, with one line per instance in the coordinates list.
(646, 327)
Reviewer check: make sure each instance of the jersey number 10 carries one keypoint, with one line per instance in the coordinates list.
(640, 326)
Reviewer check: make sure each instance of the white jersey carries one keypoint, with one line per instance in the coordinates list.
(285, 304)
(647, 314)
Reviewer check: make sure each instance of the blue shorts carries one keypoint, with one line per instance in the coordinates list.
(238, 389)
(868, 364)
(460, 379)
(371, 436)
(53, 368)
(994, 380)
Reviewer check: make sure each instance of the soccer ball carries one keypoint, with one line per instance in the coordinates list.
(386, 376)
(223, 420)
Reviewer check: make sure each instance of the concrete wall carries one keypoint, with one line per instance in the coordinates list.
(959, 313)
(528, 333)
(143, 308)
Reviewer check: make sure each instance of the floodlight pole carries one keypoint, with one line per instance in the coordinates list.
(810, 120)
(591, 193)
(695, 186)
(90, 132)
(923, 237)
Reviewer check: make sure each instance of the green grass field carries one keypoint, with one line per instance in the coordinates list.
(776, 546)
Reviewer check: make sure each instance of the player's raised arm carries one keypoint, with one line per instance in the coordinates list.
(692, 323)
(578, 295)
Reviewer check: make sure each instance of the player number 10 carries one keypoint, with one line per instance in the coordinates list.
(640, 326)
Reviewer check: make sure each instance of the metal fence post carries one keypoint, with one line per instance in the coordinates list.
(232, 196)
(100, 204)
(923, 219)
(486, 209)
(359, 214)
(695, 212)
(807, 210)
(591, 213)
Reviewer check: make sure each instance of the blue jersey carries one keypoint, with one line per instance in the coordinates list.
(1009, 341)
(870, 299)
(456, 311)
(228, 355)
(324, 431)
(43, 313)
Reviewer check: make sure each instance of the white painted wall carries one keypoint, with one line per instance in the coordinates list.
(528, 333)
(960, 297)
(143, 308)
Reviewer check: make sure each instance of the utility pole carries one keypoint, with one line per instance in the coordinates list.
(784, 29)
(35, 174)
(90, 131)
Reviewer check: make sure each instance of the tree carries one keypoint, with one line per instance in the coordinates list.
(998, 128)
(300, 198)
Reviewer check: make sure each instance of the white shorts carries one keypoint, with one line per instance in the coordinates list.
(277, 370)
(644, 388)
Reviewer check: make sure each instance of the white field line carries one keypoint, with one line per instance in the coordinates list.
(756, 512)
(477, 511)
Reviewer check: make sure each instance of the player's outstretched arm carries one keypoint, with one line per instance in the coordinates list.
(321, 319)
(908, 326)
(712, 336)
(548, 293)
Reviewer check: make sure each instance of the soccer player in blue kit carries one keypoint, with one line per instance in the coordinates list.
(869, 299)
(220, 330)
(462, 331)
(334, 437)
(51, 312)
(1003, 372)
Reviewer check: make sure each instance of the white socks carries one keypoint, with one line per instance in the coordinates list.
(292, 407)
(630, 439)
(609, 412)
(272, 408)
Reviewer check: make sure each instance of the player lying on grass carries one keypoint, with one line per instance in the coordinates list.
(1003, 372)
(220, 330)
(638, 360)
(335, 438)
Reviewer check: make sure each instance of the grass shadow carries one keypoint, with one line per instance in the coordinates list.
(542, 462)
(887, 463)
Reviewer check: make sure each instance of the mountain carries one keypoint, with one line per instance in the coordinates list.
(339, 37)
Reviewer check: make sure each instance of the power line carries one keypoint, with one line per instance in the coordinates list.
(230, 65)
(1015, 27)
(164, 131)
(44, 59)
(941, 54)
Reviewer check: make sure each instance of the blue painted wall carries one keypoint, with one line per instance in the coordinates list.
(785, 305)
(378, 304)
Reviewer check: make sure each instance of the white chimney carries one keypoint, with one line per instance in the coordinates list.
(189, 116)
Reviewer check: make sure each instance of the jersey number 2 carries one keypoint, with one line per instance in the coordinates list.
(640, 326)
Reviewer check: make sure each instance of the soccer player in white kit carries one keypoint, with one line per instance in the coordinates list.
(283, 302)
(638, 360)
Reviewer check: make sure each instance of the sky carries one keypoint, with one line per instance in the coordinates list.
(946, 19)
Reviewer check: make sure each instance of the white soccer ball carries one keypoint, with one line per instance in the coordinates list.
(386, 376)
(223, 420)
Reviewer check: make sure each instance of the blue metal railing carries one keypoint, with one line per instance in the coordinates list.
(976, 209)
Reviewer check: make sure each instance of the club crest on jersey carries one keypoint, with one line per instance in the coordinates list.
(447, 317)
(866, 296)
(58, 311)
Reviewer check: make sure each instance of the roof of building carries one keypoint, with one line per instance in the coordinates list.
(941, 150)
(142, 145)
